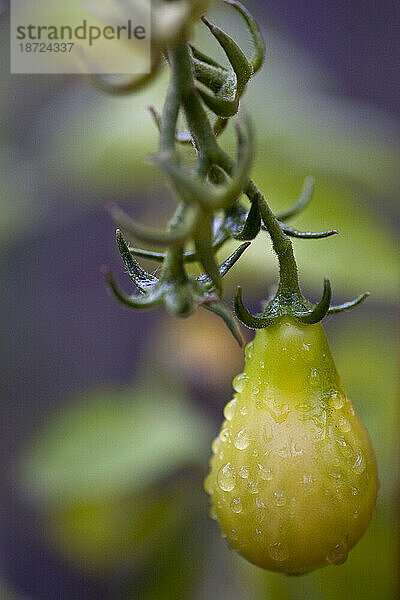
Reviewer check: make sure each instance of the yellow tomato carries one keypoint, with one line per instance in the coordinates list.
(293, 478)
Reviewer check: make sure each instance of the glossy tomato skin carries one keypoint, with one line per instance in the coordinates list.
(293, 478)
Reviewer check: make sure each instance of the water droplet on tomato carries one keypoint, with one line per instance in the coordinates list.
(337, 555)
(336, 401)
(236, 506)
(344, 425)
(278, 551)
(215, 445)
(242, 440)
(226, 478)
(224, 435)
(244, 472)
(248, 351)
(265, 472)
(253, 487)
(307, 478)
(359, 464)
(230, 409)
(208, 485)
(279, 498)
(239, 383)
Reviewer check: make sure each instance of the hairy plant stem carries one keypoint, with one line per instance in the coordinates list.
(182, 92)
(288, 289)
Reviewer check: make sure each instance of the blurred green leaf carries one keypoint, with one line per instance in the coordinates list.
(108, 443)
(134, 529)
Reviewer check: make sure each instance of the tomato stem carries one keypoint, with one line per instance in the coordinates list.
(209, 212)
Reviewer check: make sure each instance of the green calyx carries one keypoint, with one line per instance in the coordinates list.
(288, 300)
(209, 210)
(179, 293)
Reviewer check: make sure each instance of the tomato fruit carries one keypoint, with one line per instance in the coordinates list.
(293, 478)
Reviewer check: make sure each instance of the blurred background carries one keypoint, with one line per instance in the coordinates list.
(107, 415)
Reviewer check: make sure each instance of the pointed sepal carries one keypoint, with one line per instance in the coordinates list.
(321, 309)
(251, 321)
(348, 305)
(142, 280)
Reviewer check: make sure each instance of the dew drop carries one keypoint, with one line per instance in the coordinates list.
(306, 347)
(267, 432)
(304, 407)
(260, 503)
(279, 498)
(255, 453)
(354, 491)
(313, 373)
(337, 555)
(224, 435)
(278, 551)
(262, 364)
(208, 484)
(253, 487)
(242, 440)
(226, 478)
(243, 410)
(284, 452)
(239, 383)
(341, 441)
(230, 409)
(212, 512)
(256, 391)
(234, 534)
(335, 401)
(344, 425)
(279, 412)
(248, 351)
(308, 478)
(335, 475)
(215, 445)
(265, 472)
(355, 514)
(236, 506)
(359, 464)
(244, 472)
(258, 532)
